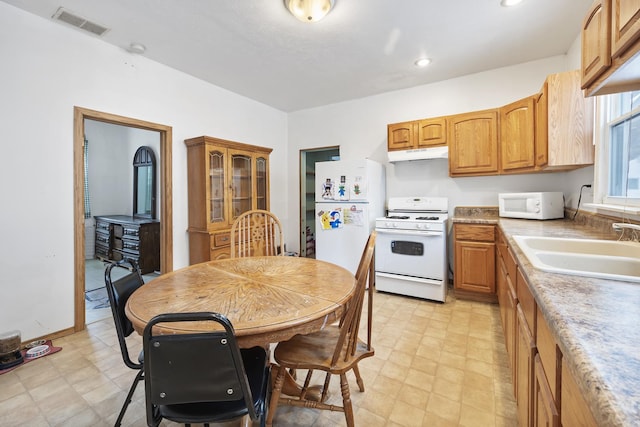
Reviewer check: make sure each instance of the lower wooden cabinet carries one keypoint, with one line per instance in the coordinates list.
(574, 410)
(545, 389)
(545, 411)
(524, 369)
(475, 261)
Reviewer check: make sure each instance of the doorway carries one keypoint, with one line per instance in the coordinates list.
(308, 159)
(166, 214)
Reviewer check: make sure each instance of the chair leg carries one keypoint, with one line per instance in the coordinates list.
(346, 400)
(356, 371)
(275, 394)
(139, 377)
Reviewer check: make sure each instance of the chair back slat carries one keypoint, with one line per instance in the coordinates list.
(256, 233)
(350, 322)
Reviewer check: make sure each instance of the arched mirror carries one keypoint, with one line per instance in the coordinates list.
(144, 183)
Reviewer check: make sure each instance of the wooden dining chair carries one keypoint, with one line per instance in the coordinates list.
(336, 350)
(256, 233)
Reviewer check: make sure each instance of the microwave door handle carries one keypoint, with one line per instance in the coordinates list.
(409, 232)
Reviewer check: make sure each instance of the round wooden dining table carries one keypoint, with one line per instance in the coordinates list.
(267, 299)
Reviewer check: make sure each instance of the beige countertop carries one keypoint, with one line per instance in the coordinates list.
(596, 322)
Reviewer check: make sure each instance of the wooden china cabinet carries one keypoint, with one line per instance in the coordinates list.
(225, 179)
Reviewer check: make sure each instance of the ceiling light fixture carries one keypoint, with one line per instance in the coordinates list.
(422, 62)
(508, 3)
(309, 10)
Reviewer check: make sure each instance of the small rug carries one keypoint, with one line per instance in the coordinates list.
(24, 352)
(96, 298)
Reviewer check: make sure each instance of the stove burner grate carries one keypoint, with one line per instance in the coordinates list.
(427, 218)
(397, 217)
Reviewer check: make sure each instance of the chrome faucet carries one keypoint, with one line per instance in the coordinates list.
(621, 226)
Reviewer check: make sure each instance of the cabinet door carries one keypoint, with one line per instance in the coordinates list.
(262, 183)
(625, 25)
(432, 132)
(241, 179)
(475, 266)
(524, 372)
(473, 143)
(517, 131)
(542, 127)
(545, 412)
(596, 41)
(217, 211)
(401, 136)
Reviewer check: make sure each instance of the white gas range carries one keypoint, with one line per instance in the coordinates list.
(411, 248)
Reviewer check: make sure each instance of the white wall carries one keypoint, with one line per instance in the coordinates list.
(360, 128)
(47, 69)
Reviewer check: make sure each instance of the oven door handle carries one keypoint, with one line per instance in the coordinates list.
(409, 232)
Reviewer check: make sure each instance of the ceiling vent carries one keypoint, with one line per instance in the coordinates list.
(79, 22)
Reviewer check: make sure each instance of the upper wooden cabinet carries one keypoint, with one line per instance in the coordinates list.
(610, 47)
(517, 135)
(564, 124)
(625, 25)
(430, 132)
(473, 143)
(402, 136)
(225, 179)
(596, 44)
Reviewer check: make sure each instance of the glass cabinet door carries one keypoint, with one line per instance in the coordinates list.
(261, 183)
(241, 179)
(216, 186)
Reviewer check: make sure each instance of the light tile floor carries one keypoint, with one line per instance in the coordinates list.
(435, 365)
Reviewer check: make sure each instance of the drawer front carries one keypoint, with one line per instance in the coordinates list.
(221, 239)
(527, 302)
(479, 233)
(102, 239)
(131, 245)
(102, 251)
(103, 227)
(131, 231)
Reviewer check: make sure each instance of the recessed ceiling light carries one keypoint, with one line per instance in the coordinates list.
(507, 3)
(422, 62)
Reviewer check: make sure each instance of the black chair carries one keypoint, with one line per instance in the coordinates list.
(119, 292)
(202, 377)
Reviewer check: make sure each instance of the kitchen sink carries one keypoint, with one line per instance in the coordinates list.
(606, 259)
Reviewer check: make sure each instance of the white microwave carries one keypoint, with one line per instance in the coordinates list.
(540, 205)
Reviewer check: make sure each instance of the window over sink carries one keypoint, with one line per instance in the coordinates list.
(617, 171)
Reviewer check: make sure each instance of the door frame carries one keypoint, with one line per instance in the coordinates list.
(166, 197)
(304, 172)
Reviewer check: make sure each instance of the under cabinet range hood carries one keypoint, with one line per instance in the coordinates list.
(419, 154)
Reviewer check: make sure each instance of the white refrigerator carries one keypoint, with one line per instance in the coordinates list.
(350, 195)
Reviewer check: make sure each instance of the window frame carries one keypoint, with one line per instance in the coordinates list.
(602, 139)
